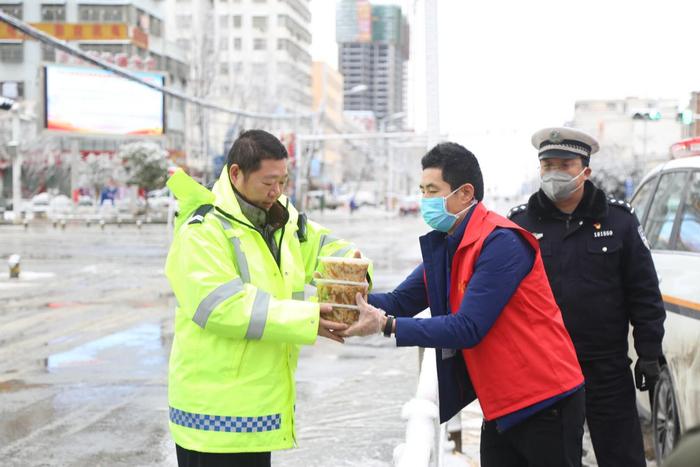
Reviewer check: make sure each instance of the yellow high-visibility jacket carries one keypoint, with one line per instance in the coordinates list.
(240, 321)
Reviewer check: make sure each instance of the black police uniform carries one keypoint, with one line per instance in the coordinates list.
(603, 278)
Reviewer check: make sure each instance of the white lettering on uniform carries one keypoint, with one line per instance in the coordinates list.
(603, 233)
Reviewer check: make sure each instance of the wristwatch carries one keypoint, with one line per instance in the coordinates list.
(388, 327)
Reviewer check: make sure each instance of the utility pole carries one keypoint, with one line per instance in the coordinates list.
(432, 94)
(432, 105)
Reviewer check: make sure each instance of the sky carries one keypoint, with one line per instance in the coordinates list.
(510, 67)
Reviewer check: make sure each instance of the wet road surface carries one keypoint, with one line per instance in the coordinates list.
(84, 342)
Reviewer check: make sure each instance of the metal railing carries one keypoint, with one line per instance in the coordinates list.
(425, 437)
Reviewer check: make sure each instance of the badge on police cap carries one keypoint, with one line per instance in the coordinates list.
(555, 136)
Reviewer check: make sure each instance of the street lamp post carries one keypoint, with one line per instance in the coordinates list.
(16, 168)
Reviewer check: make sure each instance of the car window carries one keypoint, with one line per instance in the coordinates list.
(689, 230)
(642, 197)
(663, 209)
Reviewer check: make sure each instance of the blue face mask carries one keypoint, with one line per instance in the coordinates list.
(436, 215)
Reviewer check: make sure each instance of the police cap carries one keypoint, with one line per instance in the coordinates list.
(564, 143)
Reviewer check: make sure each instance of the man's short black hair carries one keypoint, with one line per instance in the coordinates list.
(252, 147)
(459, 166)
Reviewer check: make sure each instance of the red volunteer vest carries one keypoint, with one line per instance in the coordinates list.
(527, 356)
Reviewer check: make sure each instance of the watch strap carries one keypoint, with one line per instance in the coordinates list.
(388, 326)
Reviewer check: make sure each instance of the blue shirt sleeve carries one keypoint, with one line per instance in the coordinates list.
(408, 299)
(506, 258)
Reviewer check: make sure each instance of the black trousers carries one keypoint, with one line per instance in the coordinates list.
(187, 458)
(550, 438)
(611, 413)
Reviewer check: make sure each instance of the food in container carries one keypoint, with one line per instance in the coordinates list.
(348, 314)
(347, 269)
(340, 292)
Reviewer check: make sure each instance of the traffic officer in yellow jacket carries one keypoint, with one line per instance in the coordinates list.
(239, 266)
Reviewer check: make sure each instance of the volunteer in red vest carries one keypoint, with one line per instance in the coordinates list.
(497, 331)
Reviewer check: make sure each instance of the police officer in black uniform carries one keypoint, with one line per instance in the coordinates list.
(603, 278)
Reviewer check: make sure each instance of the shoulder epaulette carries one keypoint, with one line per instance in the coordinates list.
(199, 213)
(516, 210)
(621, 203)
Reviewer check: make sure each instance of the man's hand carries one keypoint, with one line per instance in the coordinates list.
(646, 373)
(330, 329)
(372, 320)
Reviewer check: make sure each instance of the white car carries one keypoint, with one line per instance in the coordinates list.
(667, 204)
(40, 203)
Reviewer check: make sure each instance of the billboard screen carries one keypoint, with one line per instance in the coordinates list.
(94, 101)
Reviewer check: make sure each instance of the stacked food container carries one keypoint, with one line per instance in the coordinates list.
(339, 281)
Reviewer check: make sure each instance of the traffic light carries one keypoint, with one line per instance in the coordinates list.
(653, 115)
(5, 103)
(687, 117)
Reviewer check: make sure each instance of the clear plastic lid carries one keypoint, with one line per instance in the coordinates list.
(323, 282)
(336, 259)
(340, 305)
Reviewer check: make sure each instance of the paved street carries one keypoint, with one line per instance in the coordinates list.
(84, 342)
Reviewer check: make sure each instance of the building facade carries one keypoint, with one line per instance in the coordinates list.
(245, 54)
(693, 129)
(328, 99)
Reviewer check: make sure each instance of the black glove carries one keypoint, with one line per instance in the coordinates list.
(646, 373)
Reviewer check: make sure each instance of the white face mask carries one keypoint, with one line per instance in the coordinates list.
(559, 185)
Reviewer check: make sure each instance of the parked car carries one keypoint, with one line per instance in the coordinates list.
(362, 198)
(667, 204)
(317, 197)
(60, 205)
(409, 205)
(40, 203)
(85, 200)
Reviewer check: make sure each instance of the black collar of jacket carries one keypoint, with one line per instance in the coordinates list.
(593, 205)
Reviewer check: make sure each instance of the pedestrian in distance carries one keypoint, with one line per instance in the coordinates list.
(603, 278)
(353, 205)
(496, 328)
(239, 264)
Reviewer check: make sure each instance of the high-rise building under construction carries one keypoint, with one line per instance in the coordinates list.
(373, 48)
